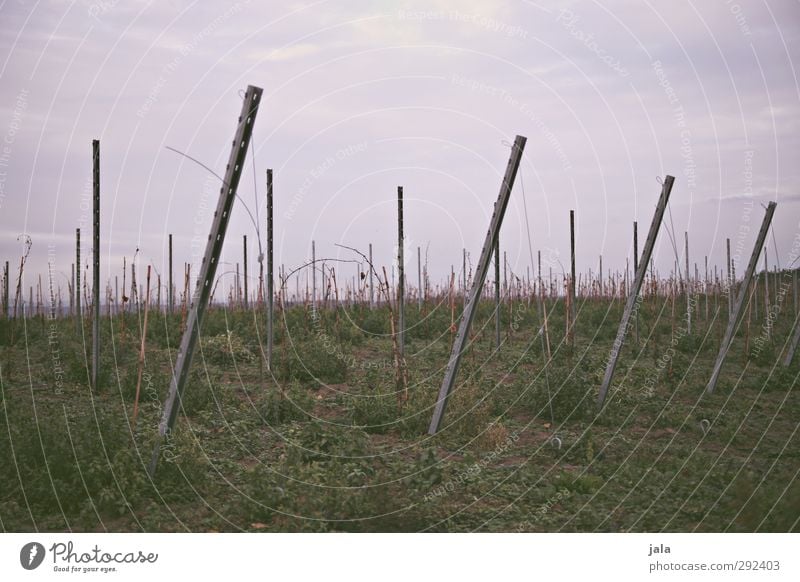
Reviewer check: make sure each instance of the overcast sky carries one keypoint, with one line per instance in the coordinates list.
(363, 96)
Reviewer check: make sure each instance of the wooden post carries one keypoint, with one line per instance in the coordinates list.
(732, 320)
(633, 296)
(270, 278)
(477, 284)
(208, 268)
(96, 266)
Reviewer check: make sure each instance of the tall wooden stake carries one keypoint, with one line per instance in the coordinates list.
(748, 275)
(477, 283)
(633, 297)
(208, 268)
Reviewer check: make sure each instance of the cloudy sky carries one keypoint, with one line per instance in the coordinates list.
(362, 96)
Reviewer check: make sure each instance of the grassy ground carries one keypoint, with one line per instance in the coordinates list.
(323, 446)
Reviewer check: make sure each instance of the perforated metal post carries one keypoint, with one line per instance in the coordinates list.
(477, 283)
(208, 268)
(497, 292)
(313, 275)
(371, 287)
(244, 266)
(748, 275)
(171, 297)
(635, 269)
(572, 293)
(633, 296)
(795, 341)
(78, 280)
(688, 288)
(401, 270)
(270, 280)
(96, 264)
(419, 279)
(5, 291)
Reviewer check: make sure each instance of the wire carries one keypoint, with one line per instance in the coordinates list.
(530, 250)
(202, 165)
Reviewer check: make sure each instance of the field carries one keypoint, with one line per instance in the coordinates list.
(327, 442)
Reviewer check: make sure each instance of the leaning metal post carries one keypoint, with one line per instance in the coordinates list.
(633, 296)
(477, 282)
(208, 267)
(737, 309)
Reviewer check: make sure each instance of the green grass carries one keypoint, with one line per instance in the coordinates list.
(324, 445)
